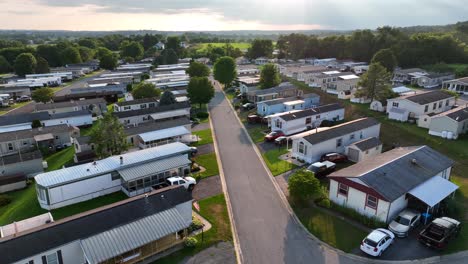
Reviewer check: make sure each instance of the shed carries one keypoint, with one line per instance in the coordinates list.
(364, 149)
(12, 182)
(398, 114)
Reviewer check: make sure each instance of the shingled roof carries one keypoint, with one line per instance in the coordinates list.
(311, 112)
(429, 97)
(395, 172)
(152, 110)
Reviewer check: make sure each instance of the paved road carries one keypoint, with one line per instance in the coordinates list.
(266, 230)
(30, 107)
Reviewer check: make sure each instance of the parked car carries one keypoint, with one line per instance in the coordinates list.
(193, 151)
(377, 242)
(273, 135)
(188, 182)
(248, 106)
(281, 140)
(23, 98)
(439, 232)
(405, 222)
(322, 169)
(254, 119)
(334, 157)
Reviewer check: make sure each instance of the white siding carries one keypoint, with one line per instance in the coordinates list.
(417, 110)
(357, 200)
(74, 121)
(81, 191)
(314, 152)
(299, 125)
(396, 207)
(71, 254)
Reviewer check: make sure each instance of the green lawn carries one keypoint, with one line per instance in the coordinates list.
(60, 158)
(209, 162)
(276, 165)
(241, 45)
(206, 137)
(215, 211)
(330, 229)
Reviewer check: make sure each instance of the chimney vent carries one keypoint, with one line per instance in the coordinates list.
(121, 160)
(414, 161)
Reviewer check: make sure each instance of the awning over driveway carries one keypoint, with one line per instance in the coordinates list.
(434, 190)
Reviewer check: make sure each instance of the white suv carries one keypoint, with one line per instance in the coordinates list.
(377, 242)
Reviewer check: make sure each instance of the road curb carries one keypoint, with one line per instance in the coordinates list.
(226, 194)
(323, 245)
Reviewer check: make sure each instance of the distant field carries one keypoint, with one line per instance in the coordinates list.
(240, 45)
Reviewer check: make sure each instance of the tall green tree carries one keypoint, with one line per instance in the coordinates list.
(167, 98)
(71, 55)
(224, 71)
(109, 136)
(132, 49)
(168, 56)
(5, 67)
(107, 59)
(303, 186)
(145, 90)
(269, 76)
(43, 95)
(86, 53)
(260, 48)
(386, 58)
(51, 53)
(375, 83)
(200, 90)
(88, 42)
(42, 66)
(173, 42)
(25, 63)
(197, 69)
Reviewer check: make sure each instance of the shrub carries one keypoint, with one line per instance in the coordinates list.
(4, 200)
(195, 225)
(191, 242)
(303, 185)
(324, 203)
(202, 115)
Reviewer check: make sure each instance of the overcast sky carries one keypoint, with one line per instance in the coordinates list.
(201, 15)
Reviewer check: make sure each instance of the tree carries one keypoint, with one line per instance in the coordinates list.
(25, 63)
(386, 58)
(51, 53)
(197, 69)
(168, 56)
(71, 55)
(109, 137)
(86, 54)
(149, 41)
(108, 61)
(260, 48)
(167, 98)
(42, 66)
(200, 90)
(224, 71)
(36, 123)
(269, 76)
(42, 95)
(375, 83)
(88, 42)
(132, 49)
(5, 67)
(173, 43)
(303, 185)
(145, 90)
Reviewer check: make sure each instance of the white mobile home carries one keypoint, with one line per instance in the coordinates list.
(133, 173)
(450, 124)
(334, 139)
(291, 123)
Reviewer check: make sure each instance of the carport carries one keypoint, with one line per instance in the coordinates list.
(433, 191)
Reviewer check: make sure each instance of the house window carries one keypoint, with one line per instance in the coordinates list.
(142, 106)
(308, 120)
(52, 258)
(279, 124)
(351, 137)
(10, 146)
(343, 189)
(426, 108)
(293, 107)
(434, 106)
(361, 135)
(56, 137)
(42, 194)
(447, 102)
(371, 201)
(115, 175)
(339, 142)
(317, 117)
(302, 148)
(127, 107)
(395, 104)
(151, 105)
(440, 104)
(263, 109)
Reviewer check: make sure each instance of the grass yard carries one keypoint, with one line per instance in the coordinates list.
(214, 210)
(205, 136)
(241, 45)
(60, 158)
(209, 162)
(276, 165)
(330, 229)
